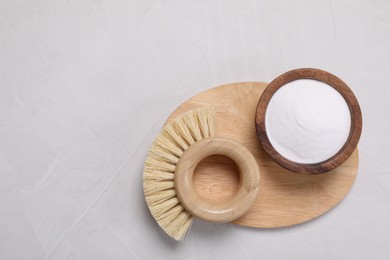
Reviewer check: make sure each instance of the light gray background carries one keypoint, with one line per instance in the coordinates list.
(86, 85)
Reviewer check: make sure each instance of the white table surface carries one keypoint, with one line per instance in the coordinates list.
(86, 85)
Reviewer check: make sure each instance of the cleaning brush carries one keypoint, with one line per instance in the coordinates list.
(169, 168)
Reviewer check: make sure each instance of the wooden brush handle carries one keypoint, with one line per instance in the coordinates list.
(248, 186)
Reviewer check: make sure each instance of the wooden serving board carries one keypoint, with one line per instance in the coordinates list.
(285, 198)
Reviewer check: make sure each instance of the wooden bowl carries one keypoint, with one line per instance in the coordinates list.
(353, 105)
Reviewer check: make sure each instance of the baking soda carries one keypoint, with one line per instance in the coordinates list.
(307, 121)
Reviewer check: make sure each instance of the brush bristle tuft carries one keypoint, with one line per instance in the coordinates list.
(160, 164)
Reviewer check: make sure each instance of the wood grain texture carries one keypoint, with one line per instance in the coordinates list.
(284, 198)
(353, 105)
(247, 188)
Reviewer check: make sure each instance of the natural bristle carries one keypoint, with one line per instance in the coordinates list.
(160, 165)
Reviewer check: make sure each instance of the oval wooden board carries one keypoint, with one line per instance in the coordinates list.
(285, 198)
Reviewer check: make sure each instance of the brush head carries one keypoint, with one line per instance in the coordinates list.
(160, 165)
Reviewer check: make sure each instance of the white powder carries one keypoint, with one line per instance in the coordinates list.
(307, 121)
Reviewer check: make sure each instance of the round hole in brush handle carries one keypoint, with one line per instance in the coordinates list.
(248, 186)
